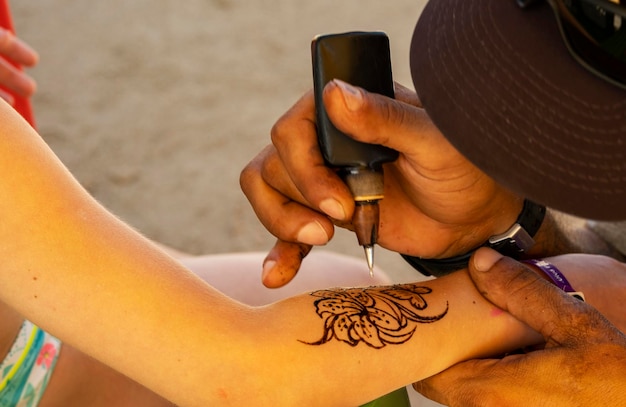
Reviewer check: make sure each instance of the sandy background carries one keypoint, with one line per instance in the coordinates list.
(157, 105)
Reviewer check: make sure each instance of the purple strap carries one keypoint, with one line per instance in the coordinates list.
(556, 276)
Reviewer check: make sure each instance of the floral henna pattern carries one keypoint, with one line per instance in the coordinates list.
(378, 317)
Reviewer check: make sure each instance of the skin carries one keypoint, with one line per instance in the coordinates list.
(78, 375)
(16, 52)
(79, 379)
(69, 264)
(584, 356)
(72, 265)
(432, 196)
(436, 205)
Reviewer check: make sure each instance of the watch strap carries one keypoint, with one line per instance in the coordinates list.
(512, 243)
(438, 267)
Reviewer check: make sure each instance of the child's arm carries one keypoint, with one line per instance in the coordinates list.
(77, 271)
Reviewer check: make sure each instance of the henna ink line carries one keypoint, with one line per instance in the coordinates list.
(375, 316)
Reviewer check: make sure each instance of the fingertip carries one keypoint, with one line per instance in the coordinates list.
(274, 276)
(313, 233)
(485, 258)
(333, 208)
(352, 96)
(30, 86)
(268, 266)
(282, 263)
(25, 55)
(33, 58)
(7, 97)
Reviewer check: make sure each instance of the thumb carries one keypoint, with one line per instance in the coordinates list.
(376, 119)
(515, 288)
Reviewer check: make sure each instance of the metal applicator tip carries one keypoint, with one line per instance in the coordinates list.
(369, 257)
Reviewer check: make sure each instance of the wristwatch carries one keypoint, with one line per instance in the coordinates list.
(512, 243)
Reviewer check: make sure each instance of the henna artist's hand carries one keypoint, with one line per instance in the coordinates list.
(15, 51)
(436, 203)
(584, 360)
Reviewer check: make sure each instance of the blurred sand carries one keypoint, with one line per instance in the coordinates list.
(156, 106)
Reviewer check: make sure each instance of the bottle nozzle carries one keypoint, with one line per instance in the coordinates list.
(365, 222)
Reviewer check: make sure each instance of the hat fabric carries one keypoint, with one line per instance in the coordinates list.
(500, 84)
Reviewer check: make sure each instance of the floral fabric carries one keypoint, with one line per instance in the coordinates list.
(26, 370)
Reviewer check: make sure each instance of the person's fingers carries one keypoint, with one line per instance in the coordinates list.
(515, 288)
(16, 80)
(406, 95)
(282, 216)
(490, 382)
(17, 50)
(377, 119)
(7, 97)
(282, 263)
(295, 138)
(444, 388)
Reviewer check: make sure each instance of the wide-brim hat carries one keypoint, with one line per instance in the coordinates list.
(500, 84)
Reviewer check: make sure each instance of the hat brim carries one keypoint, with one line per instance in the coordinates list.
(500, 84)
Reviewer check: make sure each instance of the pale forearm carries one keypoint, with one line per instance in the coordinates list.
(152, 320)
(343, 345)
(145, 303)
(470, 328)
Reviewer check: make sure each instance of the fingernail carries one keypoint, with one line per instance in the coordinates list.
(313, 234)
(31, 84)
(484, 259)
(26, 85)
(333, 208)
(267, 268)
(353, 97)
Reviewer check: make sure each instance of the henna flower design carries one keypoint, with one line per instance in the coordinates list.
(378, 317)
